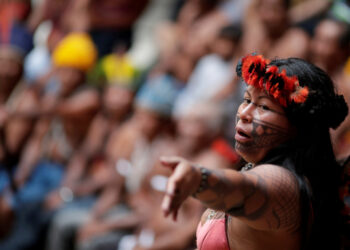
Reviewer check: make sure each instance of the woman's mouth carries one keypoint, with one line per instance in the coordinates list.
(242, 136)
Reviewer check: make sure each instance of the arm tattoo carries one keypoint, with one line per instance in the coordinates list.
(255, 194)
(265, 194)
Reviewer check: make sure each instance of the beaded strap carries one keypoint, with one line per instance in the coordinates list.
(204, 180)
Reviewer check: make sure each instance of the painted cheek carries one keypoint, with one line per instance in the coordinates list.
(250, 110)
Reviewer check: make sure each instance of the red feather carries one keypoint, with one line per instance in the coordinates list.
(300, 95)
(257, 73)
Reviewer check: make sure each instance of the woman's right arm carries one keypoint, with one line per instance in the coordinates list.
(265, 198)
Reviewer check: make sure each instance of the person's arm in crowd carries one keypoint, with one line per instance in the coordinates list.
(31, 152)
(74, 170)
(98, 227)
(37, 16)
(96, 136)
(45, 10)
(108, 198)
(77, 165)
(265, 198)
(82, 102)
(95, 181)
(91, 146)
(307, 9)
(45, 108)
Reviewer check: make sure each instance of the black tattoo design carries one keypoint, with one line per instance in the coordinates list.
(255, 194)
(264, 134)
(203, 185)
(276, 201)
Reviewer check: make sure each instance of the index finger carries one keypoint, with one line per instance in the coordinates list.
(170, 161)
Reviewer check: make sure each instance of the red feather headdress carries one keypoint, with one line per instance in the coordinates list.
(257, 72)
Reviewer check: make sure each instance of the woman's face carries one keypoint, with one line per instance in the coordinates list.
(261, 125)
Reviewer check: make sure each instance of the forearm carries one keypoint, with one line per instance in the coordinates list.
(32, 150)
(107, 200)
(30, 156)
(265, 197)
(75, 170)
(96, 136)
(29, 114)
(308, 9)
(86, 101)
(223, 189)
(131, 220)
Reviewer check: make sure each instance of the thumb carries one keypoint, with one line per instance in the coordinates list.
(170, 161)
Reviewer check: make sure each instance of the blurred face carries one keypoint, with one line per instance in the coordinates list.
(117, 101)
(261, 125)
(147, 121)
(10, 69)
(224, 48)
(182, 66)
(195, 46)
(115, 13)
(192, 130)
(324, 46)
(273, 14)
(69, 78)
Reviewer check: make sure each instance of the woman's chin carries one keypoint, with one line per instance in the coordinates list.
(248, 153)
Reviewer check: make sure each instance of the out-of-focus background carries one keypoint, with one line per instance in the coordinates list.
(92, 92)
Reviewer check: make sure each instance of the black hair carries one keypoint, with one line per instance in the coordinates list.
(310, 154)
(344, 40)
(231, 32)
(287, 3)
(324, 108)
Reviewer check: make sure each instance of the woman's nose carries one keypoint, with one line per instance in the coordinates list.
(246, 114)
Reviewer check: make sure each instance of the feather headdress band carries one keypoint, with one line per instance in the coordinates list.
(256, 71)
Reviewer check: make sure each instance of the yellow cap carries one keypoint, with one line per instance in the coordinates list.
(76, 50)
(118, 69)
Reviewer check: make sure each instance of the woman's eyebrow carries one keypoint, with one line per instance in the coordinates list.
(263, 96)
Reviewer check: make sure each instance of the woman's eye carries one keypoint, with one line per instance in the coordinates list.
(264, 107)
(246, 100)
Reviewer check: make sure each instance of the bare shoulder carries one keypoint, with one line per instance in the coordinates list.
(280, 184)
(274, 174)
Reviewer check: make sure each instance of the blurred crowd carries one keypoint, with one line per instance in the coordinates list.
(93, 92)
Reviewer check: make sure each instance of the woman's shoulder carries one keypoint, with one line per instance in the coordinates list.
(277, 191)
(274, 172)
(280, 183)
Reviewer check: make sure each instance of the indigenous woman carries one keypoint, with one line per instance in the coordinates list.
(286, 196)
